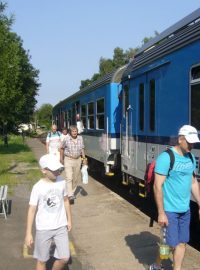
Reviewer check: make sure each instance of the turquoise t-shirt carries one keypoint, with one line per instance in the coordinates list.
(177, 185)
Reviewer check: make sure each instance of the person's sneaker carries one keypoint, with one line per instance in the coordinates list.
(153, 267)
(71, 199)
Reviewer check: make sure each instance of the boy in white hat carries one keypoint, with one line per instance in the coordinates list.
(49, 201)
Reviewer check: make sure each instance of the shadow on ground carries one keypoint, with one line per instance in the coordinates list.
(80, 190)
(144, 247)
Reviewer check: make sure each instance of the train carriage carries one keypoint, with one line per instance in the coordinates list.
(98, 109)
(161, 92)
(131, 115)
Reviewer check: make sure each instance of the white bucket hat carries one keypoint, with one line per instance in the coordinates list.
(51, 162)
(190, 133)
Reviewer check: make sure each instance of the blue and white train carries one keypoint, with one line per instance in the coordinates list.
(132, 114)
(161, 92)
(98, 107)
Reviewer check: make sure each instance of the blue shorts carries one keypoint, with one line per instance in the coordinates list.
(178, 230)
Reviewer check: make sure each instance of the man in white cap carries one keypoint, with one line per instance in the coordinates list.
(49, 201)
(172, 190)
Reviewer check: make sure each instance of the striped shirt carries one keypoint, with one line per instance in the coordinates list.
(73, 147)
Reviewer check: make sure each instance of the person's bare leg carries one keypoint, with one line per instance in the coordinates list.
(178, 256)
(59, 264)
(40, 265)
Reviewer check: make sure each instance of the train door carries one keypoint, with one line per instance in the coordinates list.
(134, 128)
(195, 109)
(154, 82)
(140, 138)
(138, 143)
(125, 126)
(146, 130)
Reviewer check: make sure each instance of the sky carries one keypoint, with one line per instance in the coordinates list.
(67, 38)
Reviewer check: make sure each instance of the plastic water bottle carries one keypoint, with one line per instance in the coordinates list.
(84, 173)
(164, 248)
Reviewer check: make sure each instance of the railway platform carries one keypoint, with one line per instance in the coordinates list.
(108, 232)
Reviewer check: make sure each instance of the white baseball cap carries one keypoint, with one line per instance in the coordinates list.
(51, 162)
(190, 133)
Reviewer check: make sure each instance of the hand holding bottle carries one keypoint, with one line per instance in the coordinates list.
(164, 248)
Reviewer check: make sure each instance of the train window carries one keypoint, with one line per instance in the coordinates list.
(69, 121)
(141, 106)
(66, 119)
(100, 114)
(125, 99)
(195, 73)
(91, 115)
(152, 105)
(195, 97)
(83, 115)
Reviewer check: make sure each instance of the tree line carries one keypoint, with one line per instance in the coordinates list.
(120, 58)
(19, 80)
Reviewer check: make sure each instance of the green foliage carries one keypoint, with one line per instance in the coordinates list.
(18, 164)
(105, 66)
(44, 115)
(85, 83)
(18, 78)
(120, 58)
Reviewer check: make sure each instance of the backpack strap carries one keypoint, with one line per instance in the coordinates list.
(172, 159)
(191, 157)
(58, 132)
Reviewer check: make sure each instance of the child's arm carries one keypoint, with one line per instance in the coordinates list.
(68, 212)
(30, 219)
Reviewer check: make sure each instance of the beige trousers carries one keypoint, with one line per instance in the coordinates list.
(72, 172)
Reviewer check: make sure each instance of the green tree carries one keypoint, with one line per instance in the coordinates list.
(119, 58)
(85, 83)
(105, 66)
(18, 78)
(130, 54)
(44, 115)
(95, 77)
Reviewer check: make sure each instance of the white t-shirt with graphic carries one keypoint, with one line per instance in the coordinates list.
(49, 197)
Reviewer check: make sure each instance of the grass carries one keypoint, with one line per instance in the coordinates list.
(17, 164)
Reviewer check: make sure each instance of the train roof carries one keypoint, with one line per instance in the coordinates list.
(178, 35)
(111, 77)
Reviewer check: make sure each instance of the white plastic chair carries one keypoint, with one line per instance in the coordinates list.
(3, 200)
